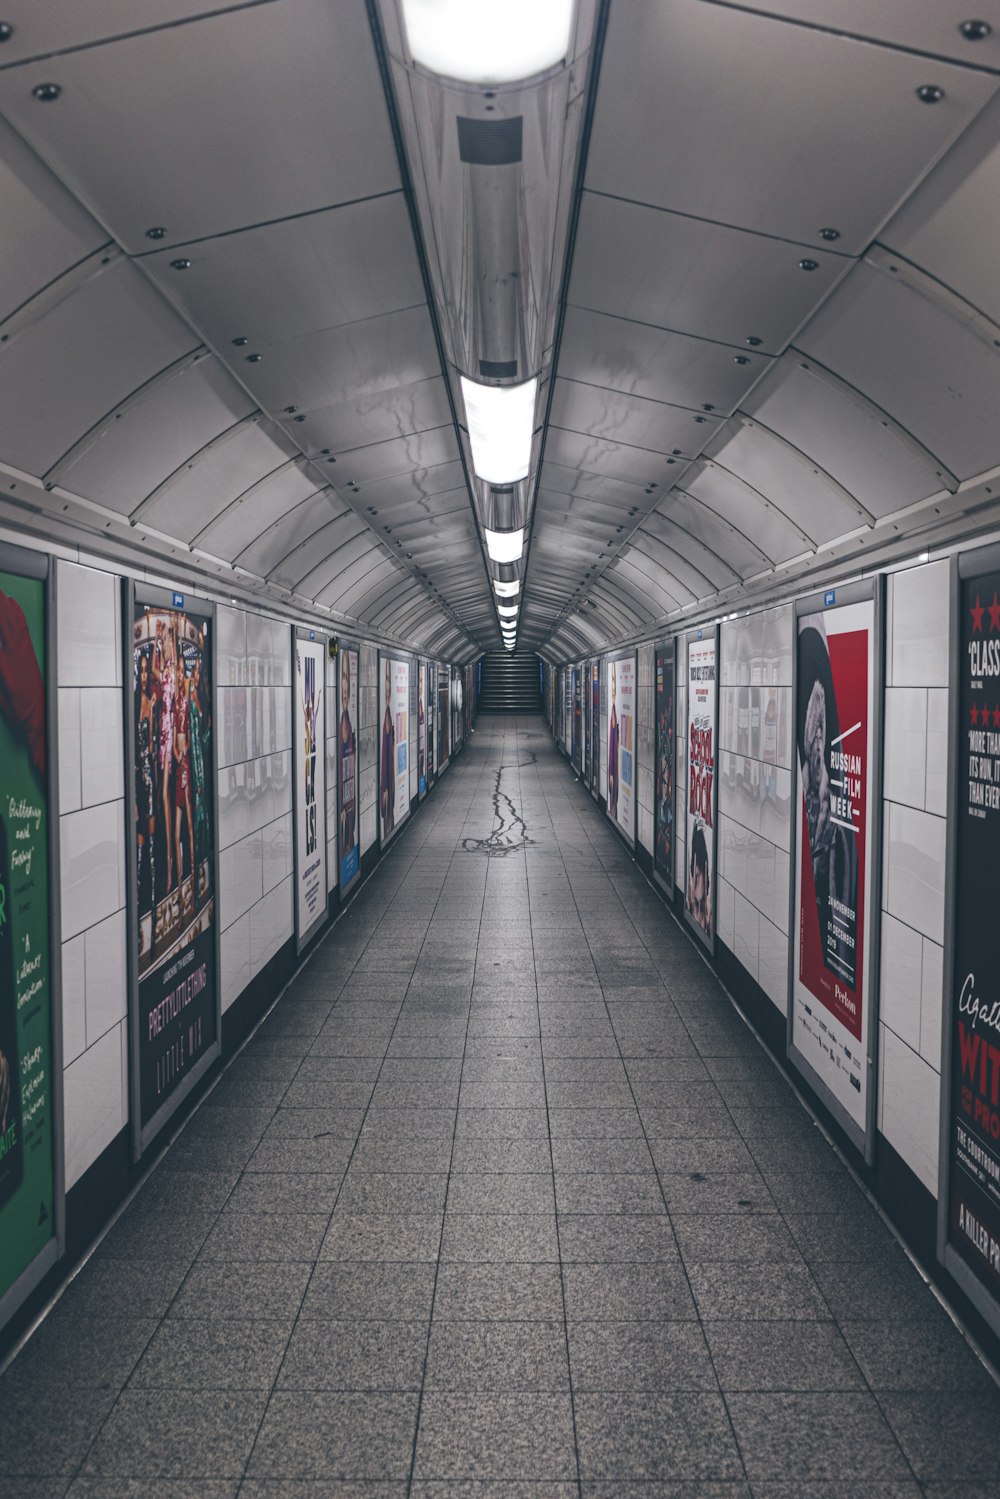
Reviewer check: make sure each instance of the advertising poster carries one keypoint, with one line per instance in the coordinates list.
(394, 741)
(176, 965)
(468, 701)
(347, 772)
(973, 1119)
(422, 714)
(442, 720)
(663, 790)
(621, 744)
(835, 650)
(577, 717)
(430, 699)
(588, 725)
(311, 905)
(27, 1073)
(595, 723)
(702, 733)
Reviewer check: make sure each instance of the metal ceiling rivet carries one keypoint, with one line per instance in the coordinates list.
(290, 410)
(699, 418)
(157, 232)
(829, 234)
(929, 93)
(253, 359)
(324, 451)
(973, 31)
(670, 460)
(372, 510)
(300, 418)
(180, 265)
(741, 359)
(331, 460)
(707, 406)
(47, 92)
(6, 31)
(240, 343)
(754, 342)
(808, 265)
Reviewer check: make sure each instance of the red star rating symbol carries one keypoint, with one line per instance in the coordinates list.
(975, 714)
(996, 716)
(978, 610)
(994, 612)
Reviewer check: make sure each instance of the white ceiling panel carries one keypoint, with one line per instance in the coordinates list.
(362, 420)
(349, 589)
(234, 120)
(601, 412)
(61, 372)
(645, 361)
(602, 488)
(766, 535)
(157, 431)
(418, 451)
(255, 511)
(695, 277)
(283, 281)
(715, 547)
(426, 491)
(918, 360)
(288, 532)
(930, 26)
(615, 460)
(753, 149)
(58, 25)
(203, 488)
(342, 544)
(680, 575)
(790, 480)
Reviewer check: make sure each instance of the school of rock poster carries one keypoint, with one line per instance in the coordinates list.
(702, 791)
(422, 716)
(663, 804)
(347, 769)
(835, 668)
(26, 1082)
(309, 739)
(174, 780)
(394, 745)
(621, 744)
(974, 1018)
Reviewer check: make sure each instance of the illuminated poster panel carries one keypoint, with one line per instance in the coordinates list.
(309, 738)
(347, 770)
(595, 724)
(443, 719)
(702, 663)
(621, 744)
(422, 717)
(394, 742)
(663, 788)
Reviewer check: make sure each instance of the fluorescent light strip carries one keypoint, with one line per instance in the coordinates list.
(501, 419)
(507, 611)
(505, 546)
(481, 41)
(506, 590)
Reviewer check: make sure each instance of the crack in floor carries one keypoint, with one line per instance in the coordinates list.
(501, 841)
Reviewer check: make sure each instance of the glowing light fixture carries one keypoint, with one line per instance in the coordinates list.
(505, 546)
(507, 611)
(501, 419)
(506, 590)
(480, 41)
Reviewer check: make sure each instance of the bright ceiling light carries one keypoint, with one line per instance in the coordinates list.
(507, 611)
(505, 546)
(481, 41)
(506, 590)
(501, 419)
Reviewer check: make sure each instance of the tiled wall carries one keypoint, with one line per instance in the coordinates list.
(253, 738)
(645, 746)
(367, 747)
(918, 651)
(754, 790)
(92, 852)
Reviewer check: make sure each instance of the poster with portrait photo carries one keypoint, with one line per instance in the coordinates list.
(663, 769)
(348, 844)
(835, 811)
(175, 963)
(394, 745)
(620, 740)
(701, 653)
(308, 738)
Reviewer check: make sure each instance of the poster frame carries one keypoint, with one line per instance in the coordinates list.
(711, 942)
(25, 563)
(441, 674)
(612, 659)
(962, 564)
(344, 890)
(423, 680)
(594, 664)
(142, 1136)
(666, 881)
(864, 591)
(305, 937)
(383, 658)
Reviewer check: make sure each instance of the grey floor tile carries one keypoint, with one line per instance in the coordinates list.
(607, 1194)
(592, 1238)
(877, 1291)
(595, 1124)
(501, 1124)
(495, 1436)
(814, 1437)
(601, 1156)
(710, 1194)
(382, 1236)
(510, 1192)
(627, 1293)
(405, 1124)
(782, 1356)
(328, 1155)
(384, 1290)
(146, 1287)
(513, 1355)
(213, 1354)
(190, 1434)
(286, 1192)
(501, 1292)
(755, 1292)
(392, 1192)
(242, 1290)
(335, 1436)
(265, 1236)
(69, 1416)
(355, 1355)
(655, 1436)
(141, 1235)
(617, 1356)
(824, 1237)
(65, 1349)
(89, 1487)
(916, 1356)
(947, 1435)
(752, 1237)
(315, 1124)
(480, 1157)
(499, 1236)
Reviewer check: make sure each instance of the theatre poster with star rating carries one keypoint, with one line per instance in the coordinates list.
(972, 1153)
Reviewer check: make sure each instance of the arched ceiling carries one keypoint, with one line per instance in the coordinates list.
(777, 348)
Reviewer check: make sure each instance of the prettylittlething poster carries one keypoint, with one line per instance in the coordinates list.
(621, 744)
(702, 791)
(394, 741)
(663, 790)
(310, 787)
(27, 1190)
(175, 895)
(830, 994)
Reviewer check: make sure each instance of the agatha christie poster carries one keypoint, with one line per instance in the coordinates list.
(311, 905)
(175, 866)
(26, 1071)
(663, 799)
(621, 744)
(974, 1018)
(702, 790)
(834, 676)
(394, 741)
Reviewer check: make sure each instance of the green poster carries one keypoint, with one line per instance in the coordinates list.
(27, 1221)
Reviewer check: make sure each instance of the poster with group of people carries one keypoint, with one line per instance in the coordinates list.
(621, 744)
(702, 789)
(309, 739)
(176, 1031)
(394, 741)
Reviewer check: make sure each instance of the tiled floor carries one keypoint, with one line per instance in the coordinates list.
(503, 1199)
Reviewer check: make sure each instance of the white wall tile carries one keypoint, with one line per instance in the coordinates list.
(271, 925)
(241, 878)
(726, 914)
(773, 964)
(231, 713)
(276, 845)
(235, 954)
(936, 789)
(905, 745)
(909, 1101)
(260, 795)
(281, 654)
(231, 647)
(92, 852)
(74, 998)
(279, 770)
(902, 969)
(106, 975)
(233, 814)
(776, 808)
(70, 794)
(915, 868)
(931, 1004)
(920, 626)
(782, 876)
(102, 745)
(89, 639)
(746, 943)
(94, 1102)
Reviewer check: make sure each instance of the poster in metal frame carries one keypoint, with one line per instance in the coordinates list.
(835, 1055)
(620, 735)
(664, 763)
(442, 721)
(423, 730)
(699, 653)
(312, 900)
(348, 821)
(33, 576)
(393, 727)
(595, 729)
(147, 1121)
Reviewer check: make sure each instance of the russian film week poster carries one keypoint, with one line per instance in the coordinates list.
(835, 664)
(347, 770)
(176, 965)
(621, 744)
(394, 741)
(702, 791)
(973, 1120)
(27, 1081)
(309, 739)
(663, 804)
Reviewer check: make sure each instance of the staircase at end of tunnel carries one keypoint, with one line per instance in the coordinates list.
(511, 683)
